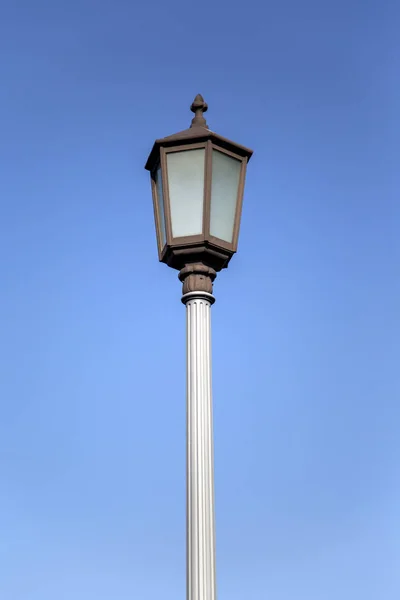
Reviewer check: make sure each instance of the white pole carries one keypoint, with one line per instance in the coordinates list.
(201, 580)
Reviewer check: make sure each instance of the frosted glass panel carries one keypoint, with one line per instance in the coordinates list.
(160, 203)
(224, 191)
(186, 191)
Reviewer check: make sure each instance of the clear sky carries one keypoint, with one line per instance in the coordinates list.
(306, 325)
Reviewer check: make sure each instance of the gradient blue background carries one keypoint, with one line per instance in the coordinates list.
(306, 326)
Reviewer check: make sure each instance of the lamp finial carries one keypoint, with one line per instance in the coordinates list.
(199, 107)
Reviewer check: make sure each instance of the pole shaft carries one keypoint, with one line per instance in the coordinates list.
(201, 584)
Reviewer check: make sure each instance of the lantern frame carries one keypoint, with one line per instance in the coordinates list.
(205, 248)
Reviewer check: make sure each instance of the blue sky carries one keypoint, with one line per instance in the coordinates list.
(306, 325)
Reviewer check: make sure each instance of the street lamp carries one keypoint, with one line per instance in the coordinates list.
(197, 180)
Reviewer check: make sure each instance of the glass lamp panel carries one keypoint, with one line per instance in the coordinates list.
(160, 207)
(186, 191)
(224, 193)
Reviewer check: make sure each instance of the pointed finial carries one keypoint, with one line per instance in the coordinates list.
(199, 107)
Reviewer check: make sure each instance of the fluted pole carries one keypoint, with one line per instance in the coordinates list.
(201, 580)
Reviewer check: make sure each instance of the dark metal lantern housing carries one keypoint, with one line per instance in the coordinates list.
(197, 180)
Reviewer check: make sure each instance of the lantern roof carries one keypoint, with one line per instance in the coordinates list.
(197, 132)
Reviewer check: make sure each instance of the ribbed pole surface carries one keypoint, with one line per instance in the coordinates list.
(201, 584)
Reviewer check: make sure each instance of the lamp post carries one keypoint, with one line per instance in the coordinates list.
(197, 180)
